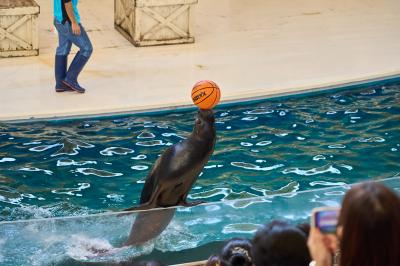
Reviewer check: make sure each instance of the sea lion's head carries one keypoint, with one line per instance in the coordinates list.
(204, 125)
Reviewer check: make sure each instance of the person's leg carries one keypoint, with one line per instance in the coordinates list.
(61, 58)
(80, 60)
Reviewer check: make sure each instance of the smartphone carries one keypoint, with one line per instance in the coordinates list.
(325, 219)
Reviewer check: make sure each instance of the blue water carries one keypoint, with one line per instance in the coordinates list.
(290, 144)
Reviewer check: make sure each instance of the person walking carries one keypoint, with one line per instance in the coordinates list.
(70, 31)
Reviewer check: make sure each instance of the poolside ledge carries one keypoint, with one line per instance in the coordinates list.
(250, 50)
(196, 263)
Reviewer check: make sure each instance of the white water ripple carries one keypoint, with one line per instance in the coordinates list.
(250, 118)
(146, 135)
(348, 167)
(243, 228)
(337, 146)
(34, 169)
(351, 111)
(319, 157)
(372, 139)
(32, 143)
(140, 167)
(250, 166)
(44, 147)
(288, 190)
(314, 171)
(68, 162)
(264, 143)
(71, 191)
(6, 159)
(213, 166)
(116, 197)
(211, 193)
(116, 151)
(368, 92)
(151, 143)
(139, 157)
(172, 134)
(259, 112)
(94, 250)
(246, 144)
(224, 114)
(326, 183)
(96, 172)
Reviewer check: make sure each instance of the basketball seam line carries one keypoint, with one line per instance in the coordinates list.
(216, 97)
(202, 89)
(202, 81)
(206, 97)
(212, 83)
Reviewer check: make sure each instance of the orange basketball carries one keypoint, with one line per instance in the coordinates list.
(206, 94)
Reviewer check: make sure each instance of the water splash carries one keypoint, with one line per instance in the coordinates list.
(243, 228)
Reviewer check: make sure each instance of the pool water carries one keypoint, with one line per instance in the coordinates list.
(192, 235)
(278, 145)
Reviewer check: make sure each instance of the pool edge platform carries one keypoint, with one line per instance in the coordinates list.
(245, 98)
(266, 49)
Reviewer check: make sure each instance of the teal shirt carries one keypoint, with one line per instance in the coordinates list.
(58, 10)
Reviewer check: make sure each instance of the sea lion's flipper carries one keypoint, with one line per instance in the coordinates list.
(152, 203)
(191, 204)
(140, 207)
(149, 185)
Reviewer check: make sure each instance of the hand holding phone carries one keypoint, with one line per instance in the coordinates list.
(325, 219)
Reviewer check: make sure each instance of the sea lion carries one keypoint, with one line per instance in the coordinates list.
(171, 178)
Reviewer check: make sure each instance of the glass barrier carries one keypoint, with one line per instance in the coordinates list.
(190, 233)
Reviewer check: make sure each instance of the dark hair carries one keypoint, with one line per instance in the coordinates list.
(236, 252)
(305, 227)
(213, 260)
(370, 216)
(280, 244)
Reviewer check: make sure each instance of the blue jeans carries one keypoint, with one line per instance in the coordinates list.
(66, 38)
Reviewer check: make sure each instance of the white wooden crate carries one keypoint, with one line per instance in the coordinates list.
(155, 22)
(19, 28)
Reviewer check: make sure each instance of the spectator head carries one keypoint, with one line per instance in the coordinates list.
(305, 228)
(281, 244)
(150, 263)
(213, 260)
(236, 252)
(369, 226)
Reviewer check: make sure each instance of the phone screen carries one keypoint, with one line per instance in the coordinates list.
(326, 220)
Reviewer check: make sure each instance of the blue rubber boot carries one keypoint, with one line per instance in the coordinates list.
(73, 72)
(60, 67)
